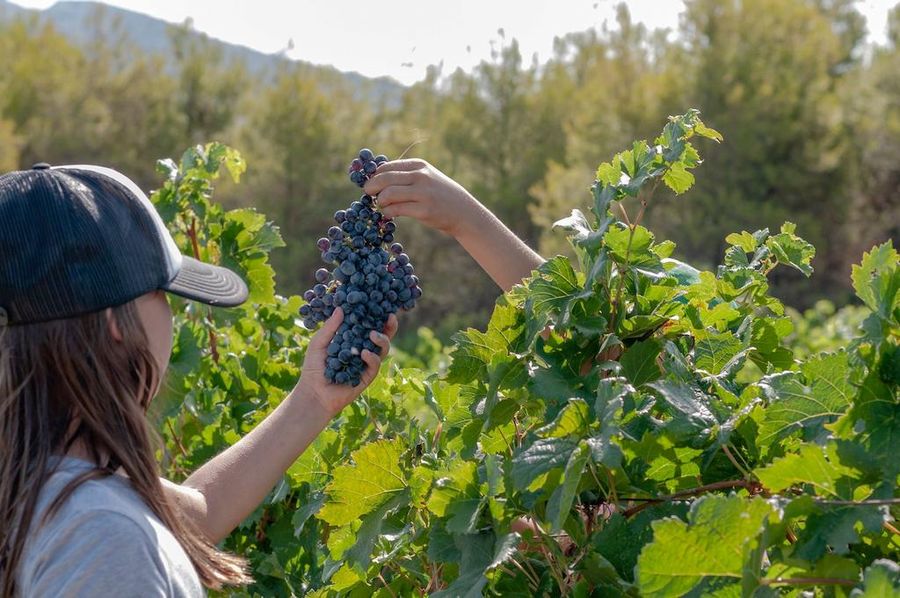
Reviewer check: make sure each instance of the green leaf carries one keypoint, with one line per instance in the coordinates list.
(555, 288)
(807, 466)
(709, 133)
(572, 419)
(620, 540)
(881, 578)
(715, 352)
(688, 406)
(717, 541)
(560, 503)
(373, 477)
(835, 529)
(678, 179)
(794, 405)
(575, 226)
(639, 362)
(542, 456)
(476, 555)
(791, 250)
(360, 555)
(876, 279)
(744, 240)
(476, 349)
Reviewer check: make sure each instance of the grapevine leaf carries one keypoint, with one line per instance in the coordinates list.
(504, 548)
(456, 497)
(542, 456)
(688, 406)
(360, 555)
(307, 510)
(372, 479)
(678, 179)
(475, 349)
(791, 250)
(639, 362)
(560, 503)
(744, 240)
(575, 226)
(835, 528)
(621, 540)
(881, 578)
(555, 289)
(714, 352)
(572, 419)
(720, 534)
(441, 546)
(876, 279)
(794, 405)
(476, 555)
(807, 466)
(709, 133)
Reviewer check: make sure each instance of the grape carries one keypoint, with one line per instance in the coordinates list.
(370, 278)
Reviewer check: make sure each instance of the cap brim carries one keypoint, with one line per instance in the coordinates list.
(208, 284)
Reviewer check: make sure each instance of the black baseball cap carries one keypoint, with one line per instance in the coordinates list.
(79, 239)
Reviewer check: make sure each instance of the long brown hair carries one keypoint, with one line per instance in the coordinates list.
(66, 381)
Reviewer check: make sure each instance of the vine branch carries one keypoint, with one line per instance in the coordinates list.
(808, 581)
(724, 485)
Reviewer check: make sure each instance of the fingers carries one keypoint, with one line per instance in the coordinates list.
(373, 364)
(320, 340)
(386, 178)
(402, 165)
(396, 194)
(409, 209)
(382, 341)
(390, 328)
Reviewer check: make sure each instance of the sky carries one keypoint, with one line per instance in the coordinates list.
(400, 38)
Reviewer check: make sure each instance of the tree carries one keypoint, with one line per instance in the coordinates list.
(209, 89)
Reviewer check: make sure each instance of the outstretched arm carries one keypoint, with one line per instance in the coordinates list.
(227, 489)
(416, 189)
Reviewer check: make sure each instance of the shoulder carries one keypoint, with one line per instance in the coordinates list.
(99, 551)
(104, 535)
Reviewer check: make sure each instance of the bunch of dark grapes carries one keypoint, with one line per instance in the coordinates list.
(370, 278)
(363, 166)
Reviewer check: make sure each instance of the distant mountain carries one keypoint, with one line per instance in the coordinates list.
(77, 21)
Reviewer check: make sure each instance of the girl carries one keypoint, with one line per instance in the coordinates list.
(85, 338)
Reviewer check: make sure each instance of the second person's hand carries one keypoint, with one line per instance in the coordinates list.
(415, 189)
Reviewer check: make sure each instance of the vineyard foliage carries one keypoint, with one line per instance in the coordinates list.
(625, 425)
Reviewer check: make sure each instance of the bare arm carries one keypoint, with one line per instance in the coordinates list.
(416, 189)
(228, 488)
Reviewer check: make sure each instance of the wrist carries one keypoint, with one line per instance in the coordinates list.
(465, 221)
(306, 403)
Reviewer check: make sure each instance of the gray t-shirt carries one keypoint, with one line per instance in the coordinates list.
(104, 541)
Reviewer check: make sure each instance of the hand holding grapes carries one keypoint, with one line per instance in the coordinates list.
(334, 397)
(416, 189)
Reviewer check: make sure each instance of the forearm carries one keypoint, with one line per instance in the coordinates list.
(228, 488)
(503, 255)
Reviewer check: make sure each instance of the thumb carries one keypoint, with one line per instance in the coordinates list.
(321, 339)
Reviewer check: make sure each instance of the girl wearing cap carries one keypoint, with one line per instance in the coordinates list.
(85, 338)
